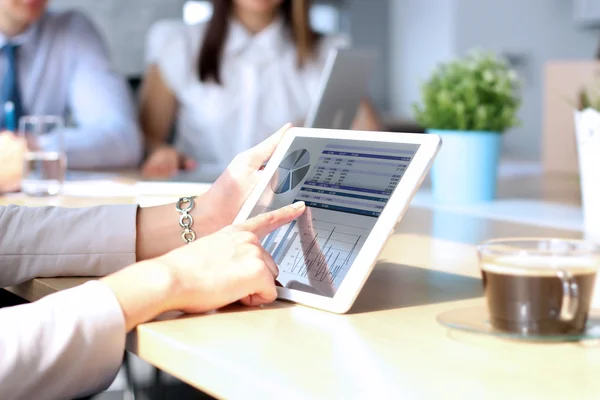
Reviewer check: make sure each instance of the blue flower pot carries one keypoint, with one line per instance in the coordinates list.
(466, 168)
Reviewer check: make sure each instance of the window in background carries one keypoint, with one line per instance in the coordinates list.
(196, 12)
(325, 18)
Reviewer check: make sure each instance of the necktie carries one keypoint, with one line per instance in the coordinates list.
(11, 96)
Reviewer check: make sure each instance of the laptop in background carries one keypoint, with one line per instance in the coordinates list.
(344, 83)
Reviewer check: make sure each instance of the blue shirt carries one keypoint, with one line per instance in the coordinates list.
(64, 69)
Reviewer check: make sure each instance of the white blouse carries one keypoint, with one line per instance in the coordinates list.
(263, 88)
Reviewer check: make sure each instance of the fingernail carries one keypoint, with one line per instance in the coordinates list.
(298, 205)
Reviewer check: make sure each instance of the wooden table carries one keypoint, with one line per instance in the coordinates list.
(390, 344)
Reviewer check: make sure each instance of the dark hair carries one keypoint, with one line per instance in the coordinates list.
(296, 19)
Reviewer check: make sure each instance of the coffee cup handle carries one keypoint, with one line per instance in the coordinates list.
(570, 299)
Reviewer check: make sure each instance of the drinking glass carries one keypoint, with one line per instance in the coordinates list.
(45, 160)
(539, 286)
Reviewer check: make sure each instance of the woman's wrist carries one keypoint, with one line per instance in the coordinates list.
(158, 229)
(144, 291)
(152, 146)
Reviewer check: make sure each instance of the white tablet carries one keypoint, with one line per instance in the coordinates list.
(357, 186)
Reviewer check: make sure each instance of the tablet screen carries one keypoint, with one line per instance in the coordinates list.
(345, 184)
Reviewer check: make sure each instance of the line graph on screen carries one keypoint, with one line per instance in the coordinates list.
(315, 249)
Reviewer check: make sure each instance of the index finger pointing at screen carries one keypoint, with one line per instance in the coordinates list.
(266, 223)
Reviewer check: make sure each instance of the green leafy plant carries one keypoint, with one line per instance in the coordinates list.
(476, 93)
(588, 99)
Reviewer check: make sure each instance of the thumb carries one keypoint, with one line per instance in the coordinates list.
(266, 223)
(261, 153)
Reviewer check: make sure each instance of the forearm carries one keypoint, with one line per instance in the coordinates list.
(153, 143)
(158, 230)
(144, 291)
(155, 133)
(158, 107)
(109, 147)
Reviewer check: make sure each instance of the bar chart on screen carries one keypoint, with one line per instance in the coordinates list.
(317, 250)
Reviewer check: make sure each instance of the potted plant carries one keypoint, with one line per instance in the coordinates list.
(469, 102)
(587, 132)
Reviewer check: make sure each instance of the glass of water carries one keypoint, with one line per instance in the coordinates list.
(45, 161)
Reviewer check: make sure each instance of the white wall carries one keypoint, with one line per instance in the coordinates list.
(535, 31)
(532, 32)
(367, 24)
(124, 24)
(422, 34)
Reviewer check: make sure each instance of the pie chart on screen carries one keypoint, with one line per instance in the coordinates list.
(291, 171)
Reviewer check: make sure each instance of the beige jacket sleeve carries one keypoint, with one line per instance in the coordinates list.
(53, 241)
(71, 343)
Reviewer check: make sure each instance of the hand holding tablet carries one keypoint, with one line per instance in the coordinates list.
(357, 186)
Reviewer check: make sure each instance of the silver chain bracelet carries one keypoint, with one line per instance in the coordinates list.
(185, 220)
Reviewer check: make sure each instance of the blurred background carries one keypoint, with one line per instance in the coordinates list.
(410, 36)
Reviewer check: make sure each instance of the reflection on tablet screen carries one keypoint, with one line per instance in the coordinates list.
(345, 186)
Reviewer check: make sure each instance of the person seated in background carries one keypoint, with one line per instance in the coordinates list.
(12, 152)
(225, 84)
(55, 63)
(71, 344)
